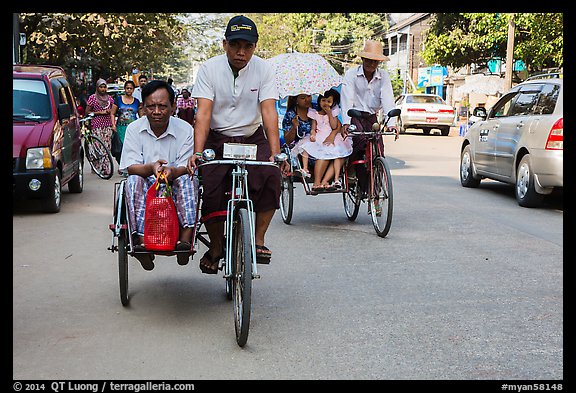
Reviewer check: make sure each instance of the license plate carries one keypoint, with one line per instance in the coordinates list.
(240, 151)
(431, 119)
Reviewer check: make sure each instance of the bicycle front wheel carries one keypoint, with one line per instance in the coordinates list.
(99, 157)
(381, 197)
(286, 198)
(242, 275)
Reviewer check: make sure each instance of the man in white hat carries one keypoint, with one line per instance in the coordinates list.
(368, 89)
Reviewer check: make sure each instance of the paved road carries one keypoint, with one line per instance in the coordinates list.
(467, 285)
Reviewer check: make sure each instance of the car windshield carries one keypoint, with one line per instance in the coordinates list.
(424, 100)
(30, 100)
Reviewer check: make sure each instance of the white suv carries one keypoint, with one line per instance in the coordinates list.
(520, 140)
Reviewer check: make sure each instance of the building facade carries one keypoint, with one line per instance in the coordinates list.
(403, 45)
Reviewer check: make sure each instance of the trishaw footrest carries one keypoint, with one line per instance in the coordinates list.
(113, 226)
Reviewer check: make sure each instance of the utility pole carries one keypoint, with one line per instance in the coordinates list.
(510, 54)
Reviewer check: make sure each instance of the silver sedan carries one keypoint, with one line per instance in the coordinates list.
(519, 141)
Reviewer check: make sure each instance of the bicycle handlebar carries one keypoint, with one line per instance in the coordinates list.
(377, 128)
(86, 118)
(232, 161)
(372, 133)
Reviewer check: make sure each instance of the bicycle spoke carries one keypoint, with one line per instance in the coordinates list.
(99, 157)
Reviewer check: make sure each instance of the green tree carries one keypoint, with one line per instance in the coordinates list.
(466, 38)
(112, 44)
(109, 43)
(205, 34)
(337, 36)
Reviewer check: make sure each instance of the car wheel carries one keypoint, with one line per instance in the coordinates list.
(76, 185)
(53, 202)
(445, 130)
(467, 178)
(426, 130)
(526, 194)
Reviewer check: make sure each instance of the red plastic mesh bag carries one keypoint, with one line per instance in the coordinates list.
(161, 226)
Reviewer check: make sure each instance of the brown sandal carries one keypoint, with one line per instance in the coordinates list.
(212, 266)
(263, 255)
(145, 259)
(183, 257)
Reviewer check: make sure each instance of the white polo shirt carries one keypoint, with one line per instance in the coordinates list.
(358, 93)
(137, 93)
(236, 101)
(141, 146)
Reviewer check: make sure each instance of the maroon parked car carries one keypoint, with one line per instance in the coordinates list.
(46, 149)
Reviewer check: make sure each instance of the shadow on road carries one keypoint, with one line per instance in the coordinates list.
(554, 201)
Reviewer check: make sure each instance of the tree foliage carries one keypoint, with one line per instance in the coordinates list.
(205, 34)
(114, 43)
(476, 38)
(337, 36)
(110, 43)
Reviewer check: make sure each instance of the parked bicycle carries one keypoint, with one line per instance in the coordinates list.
(97, 153)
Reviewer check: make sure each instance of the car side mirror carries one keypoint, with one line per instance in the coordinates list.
(480, 112)
(64, 111)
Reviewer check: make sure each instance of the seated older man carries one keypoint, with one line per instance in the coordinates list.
(159, 143)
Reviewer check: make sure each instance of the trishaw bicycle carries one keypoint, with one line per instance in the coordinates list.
(380, 193)
(239, 265)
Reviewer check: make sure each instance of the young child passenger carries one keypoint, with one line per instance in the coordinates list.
(299, 128)
(329, 147)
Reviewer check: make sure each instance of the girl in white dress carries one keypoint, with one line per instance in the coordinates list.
(329, 148)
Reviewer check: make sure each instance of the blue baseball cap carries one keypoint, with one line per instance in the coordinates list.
(241, 27)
